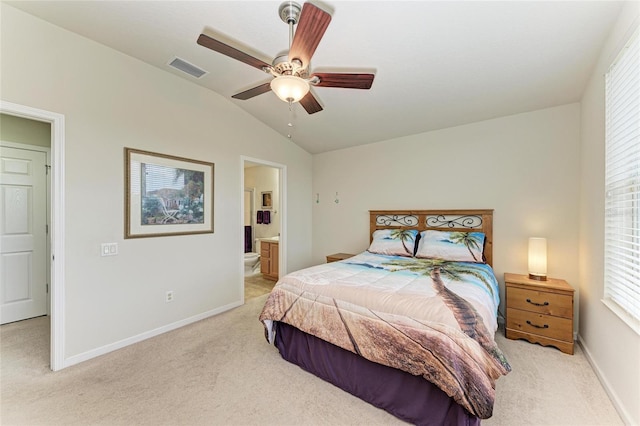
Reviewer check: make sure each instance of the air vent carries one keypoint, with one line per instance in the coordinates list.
(184, 66)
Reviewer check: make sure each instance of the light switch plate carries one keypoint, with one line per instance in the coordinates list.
(108, 249)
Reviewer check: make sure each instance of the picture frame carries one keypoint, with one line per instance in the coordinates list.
(267, 200)
(167, 195)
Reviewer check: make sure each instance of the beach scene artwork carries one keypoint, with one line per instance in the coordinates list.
(167, 195)
(170, 195)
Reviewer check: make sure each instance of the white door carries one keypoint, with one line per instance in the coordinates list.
(23, 277)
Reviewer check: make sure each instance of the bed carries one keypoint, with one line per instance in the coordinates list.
(407, 325)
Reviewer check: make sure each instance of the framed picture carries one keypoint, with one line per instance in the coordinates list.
(167, 195)
(267, 201)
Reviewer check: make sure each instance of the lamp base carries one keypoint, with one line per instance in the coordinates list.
(538, 277)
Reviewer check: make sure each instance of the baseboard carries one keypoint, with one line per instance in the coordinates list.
(85, 356)
(622, 412)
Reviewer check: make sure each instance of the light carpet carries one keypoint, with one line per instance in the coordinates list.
(221, 371)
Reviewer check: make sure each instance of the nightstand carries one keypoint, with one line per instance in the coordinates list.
(338, 256)
(539, 311)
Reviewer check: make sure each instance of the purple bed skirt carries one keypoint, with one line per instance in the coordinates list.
(410, 398)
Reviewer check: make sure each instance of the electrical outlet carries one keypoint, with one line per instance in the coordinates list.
(168, 296)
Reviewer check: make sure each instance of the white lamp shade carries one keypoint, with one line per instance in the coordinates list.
(538, 258)
(289, 88)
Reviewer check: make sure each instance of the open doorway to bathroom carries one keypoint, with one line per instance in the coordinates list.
(262, 227)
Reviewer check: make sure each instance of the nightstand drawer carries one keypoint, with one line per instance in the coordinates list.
(539, 324)
(558, 305)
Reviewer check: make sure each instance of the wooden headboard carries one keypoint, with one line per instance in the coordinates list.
(439, 220)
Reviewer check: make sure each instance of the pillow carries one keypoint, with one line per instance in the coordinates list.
(452, 246)
(396, 242)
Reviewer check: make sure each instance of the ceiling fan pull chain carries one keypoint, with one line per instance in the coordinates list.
(290, 123)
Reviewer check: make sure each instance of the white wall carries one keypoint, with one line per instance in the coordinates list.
(524, 166)
(613, 347)
(111, 101)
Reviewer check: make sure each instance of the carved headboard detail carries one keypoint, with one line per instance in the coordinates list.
(439, 220)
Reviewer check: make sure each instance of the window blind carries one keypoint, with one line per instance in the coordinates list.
(622, 181)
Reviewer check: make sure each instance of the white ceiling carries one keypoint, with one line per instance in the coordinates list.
(437, 64)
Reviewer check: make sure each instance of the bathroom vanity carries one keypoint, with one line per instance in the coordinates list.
(269, 258)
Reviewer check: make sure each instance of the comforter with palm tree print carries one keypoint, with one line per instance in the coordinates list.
(427, 317)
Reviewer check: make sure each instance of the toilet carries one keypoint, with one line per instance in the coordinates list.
(252, 260)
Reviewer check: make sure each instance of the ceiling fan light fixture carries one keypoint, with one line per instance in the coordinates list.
(290, 88)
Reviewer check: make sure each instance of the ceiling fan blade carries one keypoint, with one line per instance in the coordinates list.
(232, 52)
(311, 27)
(248, 94)
(310, 104)
(344, 80)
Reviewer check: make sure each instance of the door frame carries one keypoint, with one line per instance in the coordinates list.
(282, 216)
(56, 220)
(252, 210)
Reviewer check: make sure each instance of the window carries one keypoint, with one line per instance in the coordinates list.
(622, 185)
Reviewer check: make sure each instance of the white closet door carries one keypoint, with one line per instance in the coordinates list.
(23, 281)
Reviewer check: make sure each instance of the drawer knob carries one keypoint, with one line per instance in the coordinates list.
(537, 326)
(538, 304)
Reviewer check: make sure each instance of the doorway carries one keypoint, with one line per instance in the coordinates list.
(55, 219)
(263, 225)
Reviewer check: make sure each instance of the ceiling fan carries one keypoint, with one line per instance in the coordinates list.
(292, 78)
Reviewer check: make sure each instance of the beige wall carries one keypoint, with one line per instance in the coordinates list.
(524, 166)
(263, 178)
(21, 130)
(612, 346)
(111, 101)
